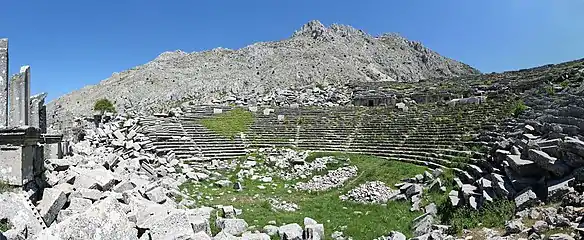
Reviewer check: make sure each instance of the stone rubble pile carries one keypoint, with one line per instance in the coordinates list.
(323, 96)
(278, 205)
(370, 192)
(332, 179)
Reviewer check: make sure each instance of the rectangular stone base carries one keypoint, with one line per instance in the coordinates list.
(17, 164)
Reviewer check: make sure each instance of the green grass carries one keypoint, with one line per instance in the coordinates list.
(363, 221)
(4, 225)
(229, 124)
(4, 186)
(492, 215)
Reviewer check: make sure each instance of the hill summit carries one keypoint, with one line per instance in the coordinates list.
(314, 54)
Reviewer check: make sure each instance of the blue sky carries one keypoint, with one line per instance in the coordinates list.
(73, 43)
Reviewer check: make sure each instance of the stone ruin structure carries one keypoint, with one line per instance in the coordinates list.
(23, 136)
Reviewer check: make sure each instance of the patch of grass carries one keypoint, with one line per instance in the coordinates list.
(362, 221)
(4, 225)
(229, 124)
(493, 214)
(4, 186)
(550, 90)
(565, 83)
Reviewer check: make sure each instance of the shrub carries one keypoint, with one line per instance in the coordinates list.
(104, 105)
(550, 90)
(518, 108)
(4, 186)
(565, 83)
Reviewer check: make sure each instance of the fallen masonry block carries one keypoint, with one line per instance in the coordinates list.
(124, 186)
(119, 135)
(548, 162)
(525, 199)
(313, 232)
(228, 212)
(256, 236)
(522, 166)
(290, 232)
(156, 195)
(234, 226)
(574, 145)
(58, 164)
(19, 213)
(173, 226)
(99, 178)
(52, 202)
(202, 236)
(91, 194)
(78, 205)
(557, 190)
(454, 199)
(108, 214)
(423, 224)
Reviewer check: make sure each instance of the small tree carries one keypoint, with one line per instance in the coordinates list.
(103, 105)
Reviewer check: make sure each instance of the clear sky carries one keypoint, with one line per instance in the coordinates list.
(73, 43)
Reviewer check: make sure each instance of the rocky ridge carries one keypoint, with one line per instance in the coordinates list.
(315, 54)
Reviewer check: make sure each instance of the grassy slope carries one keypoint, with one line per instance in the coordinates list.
(362, 221)
(230, 123)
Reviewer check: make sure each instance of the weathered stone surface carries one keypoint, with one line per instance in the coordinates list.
(523, 167)
(525, 199)
(173, 226)
(19, 95)
(548, 162)
(98, 178)
(52, 202)
(78, 205)
(3, 82)
(423, 224)
(104, 220)
(270, 230)
(255, 236)
(574, 145)
(290, 232)
(19, 213)
(232, 226)
(514, 226)
(313, 232)
(156, 195)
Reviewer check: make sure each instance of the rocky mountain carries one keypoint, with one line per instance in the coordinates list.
(315, 54)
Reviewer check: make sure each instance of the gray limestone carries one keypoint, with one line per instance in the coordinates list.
(37, 113)
(52, 202)
(3, 82)
(79, 204)
(19, 98)
(171, 227)
(548, 162)
(341, 58)
(232, 226)
(105, 220)
(525, 199)
(291, 231)
(19, 213)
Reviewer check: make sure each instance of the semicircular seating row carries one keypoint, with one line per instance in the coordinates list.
(430, 135)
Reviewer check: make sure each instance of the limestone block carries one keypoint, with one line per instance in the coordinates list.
(86, 193)
(104, 220)
(124, 186)
(52, 202)
(525, 199)
(98, 178)
(548, 162)
(290, 232)
(15, 208)
(17, 164)
(255, 236)
(225, 236)
(217, 111)
(156, 195)
(313, 232)
(232, 226)
(174, 225)
(3, 82)
(79, 205)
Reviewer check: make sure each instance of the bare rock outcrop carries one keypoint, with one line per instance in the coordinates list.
(315, 54)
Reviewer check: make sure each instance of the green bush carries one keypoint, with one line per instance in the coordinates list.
(550, 90)
(565, 83)
(104, 105)
(4, 225)
(518, 108)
